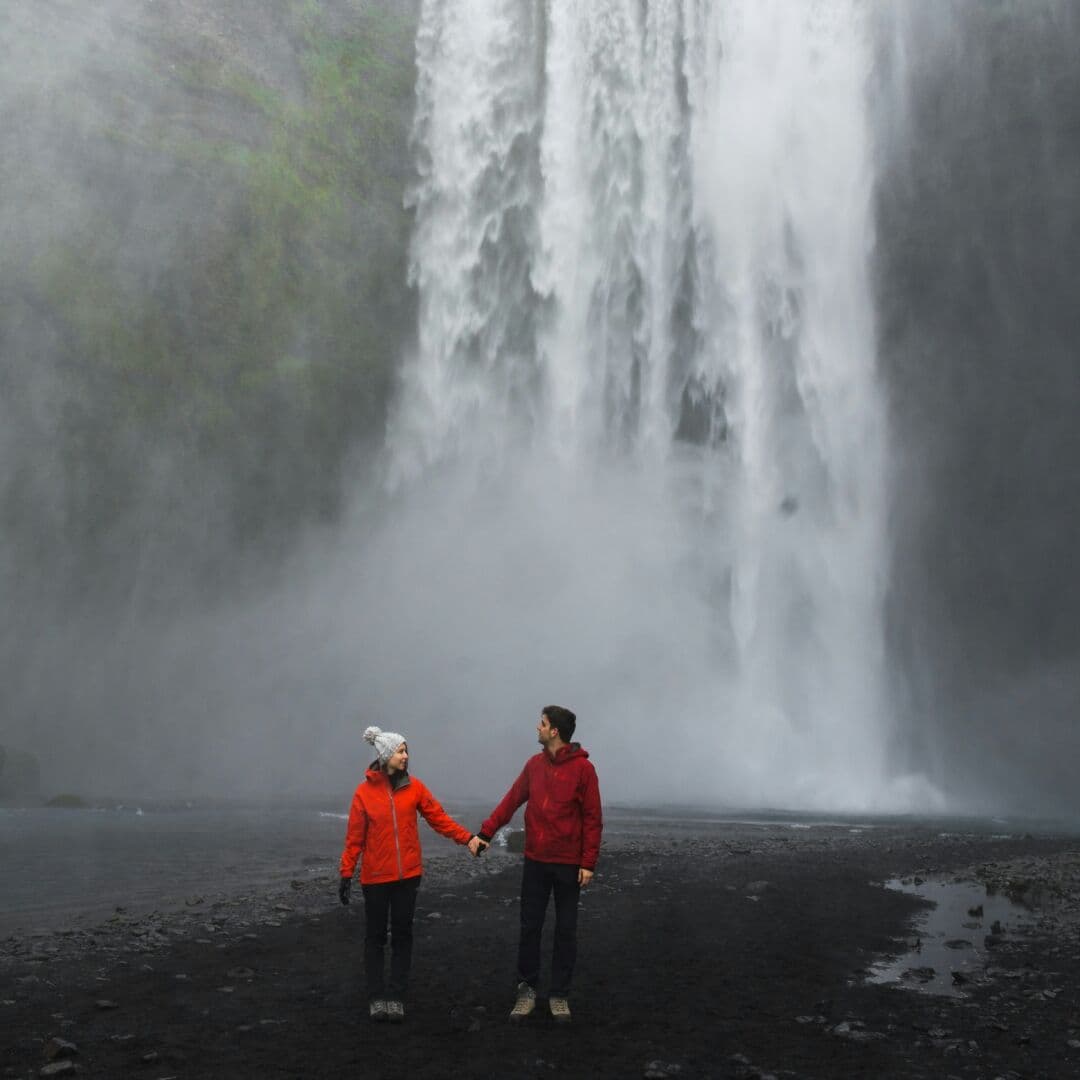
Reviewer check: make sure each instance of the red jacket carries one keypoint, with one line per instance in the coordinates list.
(563, 820)
(382, 828)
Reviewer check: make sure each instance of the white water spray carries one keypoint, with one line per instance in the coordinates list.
(644, 405)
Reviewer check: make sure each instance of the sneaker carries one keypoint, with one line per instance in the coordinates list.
(395, 1012)
(560, 1010)
(526, 1002)
(377, 1010)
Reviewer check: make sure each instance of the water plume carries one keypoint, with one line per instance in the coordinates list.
(646, 372)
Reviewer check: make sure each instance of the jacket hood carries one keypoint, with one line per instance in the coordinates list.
(376, 775)
(567, 753)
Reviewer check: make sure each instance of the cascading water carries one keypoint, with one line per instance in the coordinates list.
(644, 402)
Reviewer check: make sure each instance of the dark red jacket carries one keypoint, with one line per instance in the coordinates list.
(563, 820)
(382, 828)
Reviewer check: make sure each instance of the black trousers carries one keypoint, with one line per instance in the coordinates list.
(392, 903)
(538, 881)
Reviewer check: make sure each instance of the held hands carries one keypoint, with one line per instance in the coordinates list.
(344, 888)
(477, 846)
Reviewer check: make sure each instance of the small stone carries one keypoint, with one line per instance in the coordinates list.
(756, 888)
(657, 1070)
(59, 1068)
(240, 973)
(921, 974)
(56, 1048)
(104, 1004)
(225, 989)
(152, 1056)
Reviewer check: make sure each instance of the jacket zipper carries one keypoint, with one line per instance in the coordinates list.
(397, 842)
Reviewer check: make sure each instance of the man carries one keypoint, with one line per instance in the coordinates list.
(563, 822)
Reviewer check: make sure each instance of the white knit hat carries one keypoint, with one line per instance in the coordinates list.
(386, 743)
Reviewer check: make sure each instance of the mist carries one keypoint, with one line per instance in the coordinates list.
(289, 448)
(978, 234)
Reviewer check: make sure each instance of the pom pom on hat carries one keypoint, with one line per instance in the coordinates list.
(386, 743)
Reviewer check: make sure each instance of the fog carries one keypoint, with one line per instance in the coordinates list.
(259, 488)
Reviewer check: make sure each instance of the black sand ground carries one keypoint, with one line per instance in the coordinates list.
(737, 952)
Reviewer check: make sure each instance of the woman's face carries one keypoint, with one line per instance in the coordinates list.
(398, 760)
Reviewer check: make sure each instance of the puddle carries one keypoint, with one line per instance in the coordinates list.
(951, 951)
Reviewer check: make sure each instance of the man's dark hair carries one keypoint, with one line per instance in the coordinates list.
(563, 720)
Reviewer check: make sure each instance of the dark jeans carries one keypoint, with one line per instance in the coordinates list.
(393, 902)
(538, 881)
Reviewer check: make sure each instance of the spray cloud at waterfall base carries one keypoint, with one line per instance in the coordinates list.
(646, 385)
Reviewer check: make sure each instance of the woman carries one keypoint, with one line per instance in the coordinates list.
(382, 829)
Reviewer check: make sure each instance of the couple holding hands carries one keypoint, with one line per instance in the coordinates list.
(563, 823)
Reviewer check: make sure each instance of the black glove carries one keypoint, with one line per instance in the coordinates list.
(344, 888)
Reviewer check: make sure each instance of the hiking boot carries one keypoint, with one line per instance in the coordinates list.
(377, 1010)
(526, 1002)
(560, 1010)
(395, 1012)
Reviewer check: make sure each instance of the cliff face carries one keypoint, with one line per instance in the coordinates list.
(202, 282)
(978, 248)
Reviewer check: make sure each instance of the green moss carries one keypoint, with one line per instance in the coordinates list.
(235, 288)
(67, 802)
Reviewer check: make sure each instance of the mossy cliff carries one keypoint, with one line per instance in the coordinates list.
(203, 286)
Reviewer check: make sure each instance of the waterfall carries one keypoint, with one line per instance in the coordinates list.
(644, 406)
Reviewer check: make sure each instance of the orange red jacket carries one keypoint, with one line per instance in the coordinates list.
(382, 832)
(563, 820)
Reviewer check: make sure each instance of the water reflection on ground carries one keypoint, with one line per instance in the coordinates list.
(951, 940)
